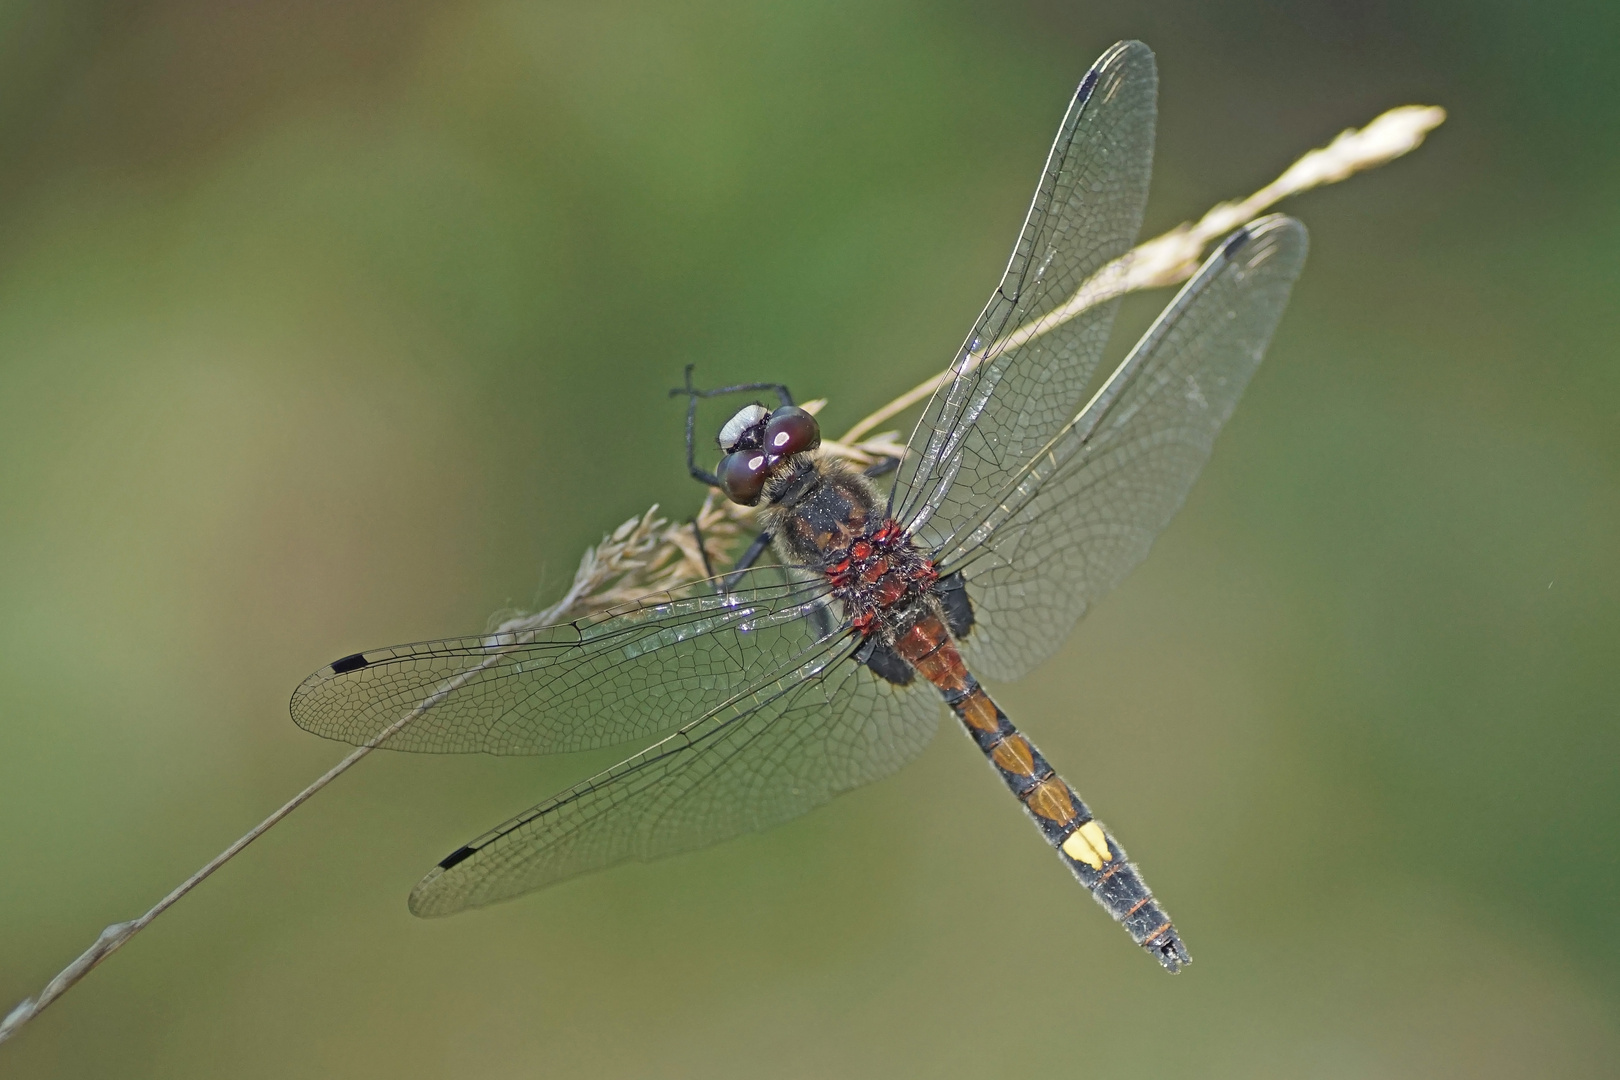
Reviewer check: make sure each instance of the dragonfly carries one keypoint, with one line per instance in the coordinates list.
(1032, 483)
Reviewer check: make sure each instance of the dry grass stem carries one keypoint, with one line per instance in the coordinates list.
(1172, 257)
(650, 554)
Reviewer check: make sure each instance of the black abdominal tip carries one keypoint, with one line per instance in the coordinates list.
(350, 663)
(455, 856)
(1171, 953)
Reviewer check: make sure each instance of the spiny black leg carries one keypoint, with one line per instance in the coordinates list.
(749, 558)
(778, 389)
(701, 475)
(693, 393)
(703, 549)
(882, 468)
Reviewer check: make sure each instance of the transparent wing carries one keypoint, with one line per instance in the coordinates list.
(1062, 532)
(1011, 391)
(786, 747)
(596, 682)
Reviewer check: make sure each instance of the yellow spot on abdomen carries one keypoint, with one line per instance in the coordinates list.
(1088, 844)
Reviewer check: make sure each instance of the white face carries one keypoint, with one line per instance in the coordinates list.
(746, 418)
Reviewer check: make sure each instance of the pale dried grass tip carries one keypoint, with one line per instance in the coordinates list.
(650, 554)
(1172, 257)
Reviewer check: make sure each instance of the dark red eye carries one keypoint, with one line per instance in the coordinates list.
(742, 475)
(791, 430)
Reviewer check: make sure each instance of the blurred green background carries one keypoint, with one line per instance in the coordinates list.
(325, 326)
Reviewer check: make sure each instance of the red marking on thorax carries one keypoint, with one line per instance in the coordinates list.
(876, 570)
(877, 574)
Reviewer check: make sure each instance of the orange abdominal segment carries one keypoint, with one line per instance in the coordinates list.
(1050, 799)
(929, 648)
(1013, 754)
(979, 713)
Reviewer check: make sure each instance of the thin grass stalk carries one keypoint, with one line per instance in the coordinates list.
(651, 554)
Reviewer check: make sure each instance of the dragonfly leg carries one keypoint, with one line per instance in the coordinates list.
(701, 475)
(881, 468)
(691, 391)
(693, 394)
(703, 549)
(749, 558)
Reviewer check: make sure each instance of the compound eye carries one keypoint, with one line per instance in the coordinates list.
(791, 430)
(742, 475)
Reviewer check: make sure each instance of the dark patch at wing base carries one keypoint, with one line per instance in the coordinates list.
(952, 592)
(885, 663)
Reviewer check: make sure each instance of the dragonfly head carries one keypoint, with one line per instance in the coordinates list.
(755, 441)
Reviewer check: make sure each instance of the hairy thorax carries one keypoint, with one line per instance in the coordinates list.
(829, 519)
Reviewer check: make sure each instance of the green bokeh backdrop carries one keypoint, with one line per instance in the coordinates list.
(328, 326)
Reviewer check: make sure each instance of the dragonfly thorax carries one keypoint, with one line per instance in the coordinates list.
(827, 517)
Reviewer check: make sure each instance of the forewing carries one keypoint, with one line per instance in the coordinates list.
(1063, 532)
(595, 682)
(821, 728)
(1008, 397)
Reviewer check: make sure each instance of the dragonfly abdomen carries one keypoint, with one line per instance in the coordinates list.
(1094, 857)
